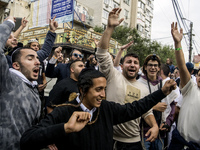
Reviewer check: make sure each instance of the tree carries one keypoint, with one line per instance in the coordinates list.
(98, 29)
(142, 46)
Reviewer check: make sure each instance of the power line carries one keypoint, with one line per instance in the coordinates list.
(173, 2)
(182, 6)
(162, 38)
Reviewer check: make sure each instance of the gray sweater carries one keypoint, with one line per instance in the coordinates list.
(19, 100)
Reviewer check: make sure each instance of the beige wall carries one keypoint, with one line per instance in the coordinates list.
(96, 5)
(134, 9)
(18, 9)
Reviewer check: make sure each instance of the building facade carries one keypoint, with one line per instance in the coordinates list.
(136, 13)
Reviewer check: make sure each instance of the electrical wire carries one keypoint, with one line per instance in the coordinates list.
(162, 38)
(173, 2)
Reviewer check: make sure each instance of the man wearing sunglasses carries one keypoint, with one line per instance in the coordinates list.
(61, 71)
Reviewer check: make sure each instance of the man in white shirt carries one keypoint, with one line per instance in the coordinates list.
(188, 129)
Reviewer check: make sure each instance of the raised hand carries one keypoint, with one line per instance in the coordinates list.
(24, 22)
(177, 36)
(169, 86)
(53, 24)
(113, 19)
(126, 45)
(77, 121)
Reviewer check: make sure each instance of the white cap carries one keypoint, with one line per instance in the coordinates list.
(32, 40)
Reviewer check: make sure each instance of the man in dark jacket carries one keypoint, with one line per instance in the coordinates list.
(62, 71)
(62, 90)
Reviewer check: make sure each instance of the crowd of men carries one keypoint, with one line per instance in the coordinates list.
(101, 104)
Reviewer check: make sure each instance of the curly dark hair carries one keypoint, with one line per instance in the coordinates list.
(85, 79)
(152, 57)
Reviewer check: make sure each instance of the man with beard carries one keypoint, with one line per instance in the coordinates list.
(63, 89)
(61, 71)
(124, 88)
(19, 100)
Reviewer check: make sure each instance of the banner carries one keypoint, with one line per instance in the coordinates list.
(63, 10)
(40, 13)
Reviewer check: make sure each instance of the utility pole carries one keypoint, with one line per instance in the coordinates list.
(190, 48)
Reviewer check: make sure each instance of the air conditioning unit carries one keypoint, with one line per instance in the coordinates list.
(90, 18)
(29, 3)
(126, 17)
(7, 11)
(106, 5)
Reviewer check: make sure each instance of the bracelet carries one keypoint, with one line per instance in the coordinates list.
(178, 49)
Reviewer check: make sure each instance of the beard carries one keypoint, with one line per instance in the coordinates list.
(25, 72)
(130, 77)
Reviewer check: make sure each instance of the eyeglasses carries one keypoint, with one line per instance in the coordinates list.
(77, 55)
(152, 65)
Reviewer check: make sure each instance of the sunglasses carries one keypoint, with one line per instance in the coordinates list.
(77, 55)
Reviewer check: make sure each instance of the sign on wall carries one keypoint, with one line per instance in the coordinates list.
(63, 10)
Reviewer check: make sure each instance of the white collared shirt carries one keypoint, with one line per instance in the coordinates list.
(85, 109)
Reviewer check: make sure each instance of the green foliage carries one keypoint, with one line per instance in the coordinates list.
(98, 29)
(142, 46)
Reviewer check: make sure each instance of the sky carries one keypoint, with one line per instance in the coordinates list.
(163, 16)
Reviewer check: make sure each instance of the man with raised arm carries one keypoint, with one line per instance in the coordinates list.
(188, 129)
(124, 88)
(20, 104)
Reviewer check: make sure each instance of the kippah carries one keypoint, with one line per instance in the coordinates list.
(32, 40)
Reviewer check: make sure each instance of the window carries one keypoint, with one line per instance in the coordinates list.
(125, 24)
(127, 2)
(147, 23)
(141, 5)
(107, 2)
(140, 16)
(104, 26)
(139, 28)
(105, 14)
(148, 2)
(126, 13)
(78, 8)
(147, 12)
(85, 12)
(115, 5)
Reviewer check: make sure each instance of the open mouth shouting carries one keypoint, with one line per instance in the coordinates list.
(36, 71)
(132, 71)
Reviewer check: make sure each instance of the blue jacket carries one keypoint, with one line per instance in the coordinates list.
(44, 52)
(61, 71)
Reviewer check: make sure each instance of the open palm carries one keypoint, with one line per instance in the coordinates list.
(113, 19)
(177, 36)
